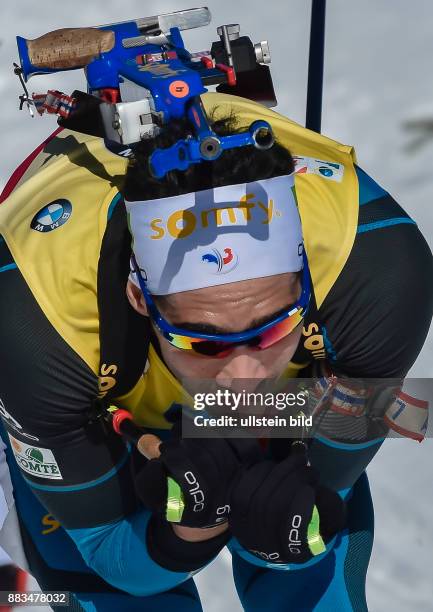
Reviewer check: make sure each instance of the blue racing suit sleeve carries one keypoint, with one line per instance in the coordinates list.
(236, 547)
(340, 466)
(369, 329)
(118, 552)
(337, 583)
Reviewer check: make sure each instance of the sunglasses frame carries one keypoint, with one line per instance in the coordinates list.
(238, 337)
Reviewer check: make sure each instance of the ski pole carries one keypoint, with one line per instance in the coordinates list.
(316, 66)
(148, 445)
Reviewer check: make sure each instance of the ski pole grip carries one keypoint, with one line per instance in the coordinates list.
(63, 49)
(147, 443)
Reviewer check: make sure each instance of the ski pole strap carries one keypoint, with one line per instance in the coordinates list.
(315, 540)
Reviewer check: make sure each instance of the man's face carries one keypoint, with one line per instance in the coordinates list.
(225, 309)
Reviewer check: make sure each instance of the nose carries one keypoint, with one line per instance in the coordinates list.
(243, 363)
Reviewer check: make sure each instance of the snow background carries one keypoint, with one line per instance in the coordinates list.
(378, 75)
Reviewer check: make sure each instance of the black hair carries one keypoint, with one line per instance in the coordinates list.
(240, 165)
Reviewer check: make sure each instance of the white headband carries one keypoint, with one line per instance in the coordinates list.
(217, 236)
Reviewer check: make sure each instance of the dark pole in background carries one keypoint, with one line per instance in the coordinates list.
(315, 66)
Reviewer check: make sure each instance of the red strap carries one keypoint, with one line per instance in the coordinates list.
(20, 171)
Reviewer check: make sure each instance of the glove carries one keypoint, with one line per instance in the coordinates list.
(273, 505)
(204, 469)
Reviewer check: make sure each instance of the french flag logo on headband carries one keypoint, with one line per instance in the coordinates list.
(220, 262)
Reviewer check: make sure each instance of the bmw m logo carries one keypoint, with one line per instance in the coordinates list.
(52, 216)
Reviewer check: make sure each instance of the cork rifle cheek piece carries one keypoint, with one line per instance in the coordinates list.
(69, 48)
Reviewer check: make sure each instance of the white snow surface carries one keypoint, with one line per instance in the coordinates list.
(378, 74)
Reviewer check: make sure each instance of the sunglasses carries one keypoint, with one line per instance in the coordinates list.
(220, 345)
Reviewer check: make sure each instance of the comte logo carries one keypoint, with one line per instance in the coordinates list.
(35, 454)
(35, 460)
(52, 216)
